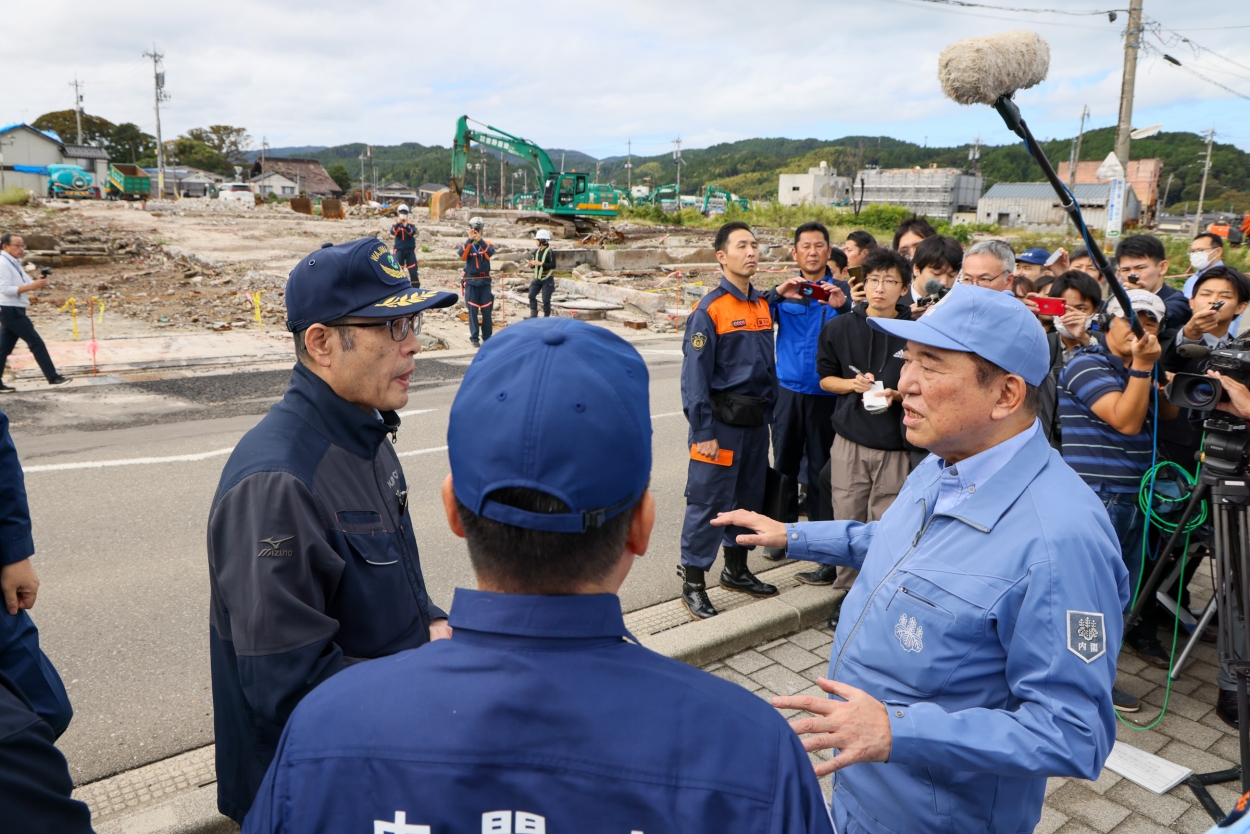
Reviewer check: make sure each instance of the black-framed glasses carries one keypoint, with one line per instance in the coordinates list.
(399, 327)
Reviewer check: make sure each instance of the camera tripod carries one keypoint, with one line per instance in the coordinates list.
(1222, 480)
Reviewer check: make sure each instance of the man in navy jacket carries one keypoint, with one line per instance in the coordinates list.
(542, 713)
(313, 564)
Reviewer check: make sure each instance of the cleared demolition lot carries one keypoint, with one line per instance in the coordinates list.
(197, 266)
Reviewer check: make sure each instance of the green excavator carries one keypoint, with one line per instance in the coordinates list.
(569, 202)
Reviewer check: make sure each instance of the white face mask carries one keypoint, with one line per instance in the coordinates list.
(1198, 260)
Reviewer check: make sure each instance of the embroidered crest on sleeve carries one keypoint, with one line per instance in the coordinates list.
(698, 340)
(1087, 635)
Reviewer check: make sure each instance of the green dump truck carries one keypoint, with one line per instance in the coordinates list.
(128, 182)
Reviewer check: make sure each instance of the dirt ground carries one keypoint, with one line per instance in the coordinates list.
(193, 265)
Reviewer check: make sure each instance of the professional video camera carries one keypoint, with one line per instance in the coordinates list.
(1200, 392)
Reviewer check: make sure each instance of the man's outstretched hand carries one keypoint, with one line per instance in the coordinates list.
(857, 726)
(768, 533)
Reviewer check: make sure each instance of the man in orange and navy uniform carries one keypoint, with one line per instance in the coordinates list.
(405, 234)
(728, 390)
(476, 254)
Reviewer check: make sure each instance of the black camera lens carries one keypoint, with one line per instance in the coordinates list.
(1201, 392)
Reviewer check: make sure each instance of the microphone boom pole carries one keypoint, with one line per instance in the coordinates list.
(1067, 201)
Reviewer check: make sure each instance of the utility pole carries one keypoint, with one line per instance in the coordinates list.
(1202, 192)
(677, 162)
(1075, 159)
(629, 167)
(77, 105)
(1164, 205)
(1132, 40)
(159, 78)
(502, 179)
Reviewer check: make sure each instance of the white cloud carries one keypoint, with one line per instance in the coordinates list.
(590, 76)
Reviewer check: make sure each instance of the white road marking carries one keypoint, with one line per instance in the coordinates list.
(421, 451)
(661, 352)
(101, 464)
(104, 464)
(415, 411)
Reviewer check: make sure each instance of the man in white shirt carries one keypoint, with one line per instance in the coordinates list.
(14, 323)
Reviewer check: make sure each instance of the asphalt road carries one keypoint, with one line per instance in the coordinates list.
(123, 605)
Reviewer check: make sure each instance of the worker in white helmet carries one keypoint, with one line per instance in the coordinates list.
(544, 264)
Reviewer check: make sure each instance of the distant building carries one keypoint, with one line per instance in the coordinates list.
(1034, 205)
(274, 183)
(1142, 175)
(28, 152)
(928, 192)
(185, 181)
(308, 175)
(394, 192)
(820, 186)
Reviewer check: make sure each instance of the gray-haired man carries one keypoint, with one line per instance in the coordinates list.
(990, 264)
(14, 323)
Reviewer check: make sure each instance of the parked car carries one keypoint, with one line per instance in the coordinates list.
(240, 192)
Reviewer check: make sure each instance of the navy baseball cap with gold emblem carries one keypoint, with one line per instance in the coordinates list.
(360, 278)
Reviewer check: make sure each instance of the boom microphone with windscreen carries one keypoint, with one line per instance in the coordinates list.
(989, 70)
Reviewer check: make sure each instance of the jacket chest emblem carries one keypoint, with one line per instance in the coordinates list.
(740, 323)
(1086, 635)
(910, 635)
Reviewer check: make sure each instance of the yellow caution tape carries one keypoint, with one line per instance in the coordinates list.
(73, 311)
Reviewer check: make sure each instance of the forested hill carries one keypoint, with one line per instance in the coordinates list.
(750, 167)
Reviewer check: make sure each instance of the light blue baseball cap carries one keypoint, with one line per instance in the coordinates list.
(994, 325)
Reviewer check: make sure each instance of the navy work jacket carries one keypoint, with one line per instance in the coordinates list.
(313, 565)
(728, 347)
(538, 715)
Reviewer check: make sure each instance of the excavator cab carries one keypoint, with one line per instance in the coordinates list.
(565, 191)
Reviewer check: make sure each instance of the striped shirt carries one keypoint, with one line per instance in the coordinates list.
(1102, 456)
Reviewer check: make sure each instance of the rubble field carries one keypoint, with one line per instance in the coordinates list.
(195, 265)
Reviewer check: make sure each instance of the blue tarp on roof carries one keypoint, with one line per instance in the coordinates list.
(51, 134)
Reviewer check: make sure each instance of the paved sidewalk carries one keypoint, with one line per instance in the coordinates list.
(1190, 734)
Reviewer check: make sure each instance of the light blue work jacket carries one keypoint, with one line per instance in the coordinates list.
(991, 635)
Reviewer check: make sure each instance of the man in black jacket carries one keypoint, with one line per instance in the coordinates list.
(312, 558)
(870, 458)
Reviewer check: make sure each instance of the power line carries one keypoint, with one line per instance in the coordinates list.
(1193, 72)
(970, 5)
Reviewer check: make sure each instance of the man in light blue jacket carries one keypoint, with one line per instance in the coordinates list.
(975, 656)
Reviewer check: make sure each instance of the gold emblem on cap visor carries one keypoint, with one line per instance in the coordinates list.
(407, 300)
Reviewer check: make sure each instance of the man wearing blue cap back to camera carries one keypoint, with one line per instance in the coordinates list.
(975, 654)
(542, 714)
(313, 564)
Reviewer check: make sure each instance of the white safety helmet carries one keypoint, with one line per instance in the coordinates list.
(403, 208)
(542, 234)
(477, 223)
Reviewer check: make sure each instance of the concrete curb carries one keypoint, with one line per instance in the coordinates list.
(696, 643)
(736, 630)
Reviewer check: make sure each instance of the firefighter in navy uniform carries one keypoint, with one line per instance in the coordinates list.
(728, 391)
(313, 562)
(476, 254)
(405, 234)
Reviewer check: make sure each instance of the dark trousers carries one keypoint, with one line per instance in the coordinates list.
(712, 488)
(14, 325)
(546, 287)
(26, 665)
(478, 296)
(802, 423)
(408, 259)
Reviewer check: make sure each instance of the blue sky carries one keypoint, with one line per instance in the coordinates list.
(592, 75)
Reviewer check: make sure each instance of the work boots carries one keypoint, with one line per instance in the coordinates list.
(736, 577)
(823, 575)
(694, 593)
